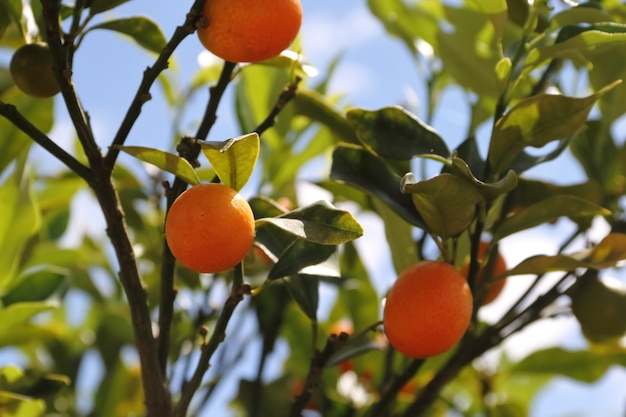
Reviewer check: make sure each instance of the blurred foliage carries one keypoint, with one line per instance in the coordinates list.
(64, 317)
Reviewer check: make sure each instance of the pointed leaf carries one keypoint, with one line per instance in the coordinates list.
(549, 210)
(16, 315)
(393, 132)
(99, 6)
(316, 107)
(535, 122)
(319, 222)
(20, 220)
(582, 365)
(37, 286)
(141, 29)
(166, 161)
(234, 159)
(368, 172)
(489, 191)
(305, 291)
(299, 255)
(447, 203)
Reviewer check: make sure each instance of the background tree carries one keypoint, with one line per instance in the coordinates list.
(168, 337)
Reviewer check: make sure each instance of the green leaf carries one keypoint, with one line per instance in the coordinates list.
(316, 107)
(357, 297)
(305, 292)
(299, 255)
(319, 223)
(537, 121)
(393, 132)
(20, 220)
(141, 29)
(489, 191)
(14, 142)
(16, 315)
(99, 6)
(290, 60)
(166, 161)
(447, 203)
(582, 365)
(549, 210)
(399, 236)
(234, 159)
(399, 20)
(36, 286)
(13, 405)
(360, 168)
(608, 253)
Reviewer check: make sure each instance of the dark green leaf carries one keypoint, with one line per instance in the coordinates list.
(305, 291)
(141, 29)
(368, 172)
(299, 255)
(319, 222)
(37, 286)
(447, 203)
(315, 106)
(19, 314)
(537, 121)
(393, 132)
(99, 6)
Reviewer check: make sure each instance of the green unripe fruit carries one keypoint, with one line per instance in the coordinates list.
(599, 305)
(31, 70)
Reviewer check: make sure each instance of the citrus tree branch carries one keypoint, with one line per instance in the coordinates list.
(190, 387)
(13, 115)
(149, 76)
(168, 263)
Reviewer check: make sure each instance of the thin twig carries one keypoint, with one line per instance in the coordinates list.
(149, 76)
(238, 290)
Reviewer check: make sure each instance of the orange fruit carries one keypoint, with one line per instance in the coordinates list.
(249, 30)
(428, 309)
(31, 70)
(494, 288)
(210, 228)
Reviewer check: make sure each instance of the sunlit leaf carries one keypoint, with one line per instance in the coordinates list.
(320, 223)
(20, 220)
(14, 405)
(447, 203)
(537, 121)
(581, 365)
(291, 60)
(393, 132)
(610, 250)
(16, 315)
(234, 159)
(141, 29)
(166, 161)
(549, 210)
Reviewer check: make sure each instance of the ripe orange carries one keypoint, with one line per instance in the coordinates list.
(428, 309)
(495, 288)
(31, 70)
(209, 228)
(249, 30)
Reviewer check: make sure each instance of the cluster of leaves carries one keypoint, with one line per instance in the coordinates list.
(506, 56)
